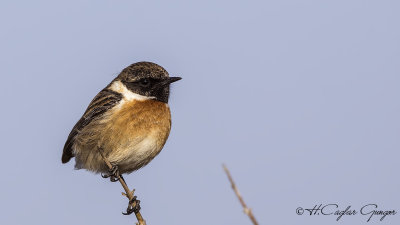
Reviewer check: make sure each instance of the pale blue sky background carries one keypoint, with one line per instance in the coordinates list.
(299, 98)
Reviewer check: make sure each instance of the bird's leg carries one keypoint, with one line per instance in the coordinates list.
(113, 174)
(133, 207)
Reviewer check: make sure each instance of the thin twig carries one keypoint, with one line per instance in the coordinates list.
(246, 210)
(128, 193)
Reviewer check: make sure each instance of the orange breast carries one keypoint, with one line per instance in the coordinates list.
(130, 124)
(139, 118)
(131, 135)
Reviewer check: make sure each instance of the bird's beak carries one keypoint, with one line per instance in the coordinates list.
(166, 82)
(170, 80)
(173, 79)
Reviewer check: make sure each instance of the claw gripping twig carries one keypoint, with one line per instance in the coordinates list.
(133, 203)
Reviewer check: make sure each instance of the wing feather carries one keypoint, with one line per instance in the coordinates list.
(104, 100)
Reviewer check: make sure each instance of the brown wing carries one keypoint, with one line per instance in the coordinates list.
(104, 100)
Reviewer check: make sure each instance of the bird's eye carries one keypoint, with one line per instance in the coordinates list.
(144, 82)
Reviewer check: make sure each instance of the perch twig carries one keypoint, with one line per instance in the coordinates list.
(128, 193)
(246, 210)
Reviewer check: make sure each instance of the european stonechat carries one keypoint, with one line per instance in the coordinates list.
(129, 120)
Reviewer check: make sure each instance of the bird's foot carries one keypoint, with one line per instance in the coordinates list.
(113, 174)
(133, 207)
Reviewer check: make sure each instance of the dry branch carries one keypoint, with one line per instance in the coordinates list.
(246, 210)
(128, 193)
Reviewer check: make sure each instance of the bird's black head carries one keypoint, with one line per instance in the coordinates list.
(147, 79)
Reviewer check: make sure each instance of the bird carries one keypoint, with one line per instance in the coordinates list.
(128, 122)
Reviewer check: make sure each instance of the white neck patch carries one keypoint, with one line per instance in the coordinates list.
(119, 87)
